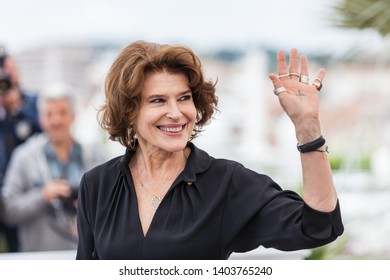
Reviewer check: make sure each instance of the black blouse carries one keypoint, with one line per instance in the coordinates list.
(214, 207)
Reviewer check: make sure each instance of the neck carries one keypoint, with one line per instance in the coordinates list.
(62, 149)
(156, 173)
(156, 165)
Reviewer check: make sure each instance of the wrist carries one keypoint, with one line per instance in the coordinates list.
(308, 131)
(312, 146)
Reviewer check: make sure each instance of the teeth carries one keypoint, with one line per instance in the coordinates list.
(171, 129)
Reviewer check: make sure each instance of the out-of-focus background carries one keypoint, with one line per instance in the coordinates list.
(76, 41)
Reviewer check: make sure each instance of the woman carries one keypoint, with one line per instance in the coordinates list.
(167, 199)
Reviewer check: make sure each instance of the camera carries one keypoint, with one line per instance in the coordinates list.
(69, 202)
(5, 82)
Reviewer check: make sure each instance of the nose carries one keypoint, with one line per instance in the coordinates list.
(174, 111)
(56, 118)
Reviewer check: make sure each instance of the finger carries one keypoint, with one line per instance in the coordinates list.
(284, 77)
(61, 182)
(293, 66)
(304, 65)
(277, 83)
(282, 66)
(61, 186)
(320, 75)
(65, 191)
(317, 83)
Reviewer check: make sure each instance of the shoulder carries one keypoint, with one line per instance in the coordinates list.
(27, 157)
(32, 145)
(29, 95)
(97, 183)
(235, 172)
(201, 162)
(29, 110)
(30, 100)
(226, 163)
(108, 170)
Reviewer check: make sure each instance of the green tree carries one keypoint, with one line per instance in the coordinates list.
(363, 14)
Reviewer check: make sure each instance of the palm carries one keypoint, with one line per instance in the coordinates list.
(300, 100)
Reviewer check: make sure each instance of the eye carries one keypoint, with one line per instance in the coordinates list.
(157, 100)
(185, 97)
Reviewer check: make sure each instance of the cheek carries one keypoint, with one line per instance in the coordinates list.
(45, 121)
(69, 119)
(190, 112)
(146, 119)
(153, 116)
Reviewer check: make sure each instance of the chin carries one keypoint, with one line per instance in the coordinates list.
(175, 147)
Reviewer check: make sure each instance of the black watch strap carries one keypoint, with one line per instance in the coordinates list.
(311, 146)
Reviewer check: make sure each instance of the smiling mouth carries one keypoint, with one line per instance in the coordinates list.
(175, 129)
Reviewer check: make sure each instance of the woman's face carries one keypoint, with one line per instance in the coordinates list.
(167, 115)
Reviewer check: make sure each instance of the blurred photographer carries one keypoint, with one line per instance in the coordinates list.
(18, 121)
(41, 183)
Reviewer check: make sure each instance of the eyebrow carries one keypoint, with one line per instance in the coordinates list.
(162, 95)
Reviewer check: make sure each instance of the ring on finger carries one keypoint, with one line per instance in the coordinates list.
(283, 75)
(294, 74)
(304, 79)
(318, 84)
(279, 90)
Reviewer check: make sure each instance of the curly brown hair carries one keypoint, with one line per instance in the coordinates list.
(125, 79)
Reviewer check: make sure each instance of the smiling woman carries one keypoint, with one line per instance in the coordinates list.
(167, 199)
(135, 71)
(167, 115)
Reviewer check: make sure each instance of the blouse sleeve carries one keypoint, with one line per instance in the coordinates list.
(86, 242)
(258, 212)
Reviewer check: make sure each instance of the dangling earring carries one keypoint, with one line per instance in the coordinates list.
(133, 139)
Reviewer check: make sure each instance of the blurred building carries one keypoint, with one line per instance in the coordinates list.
(42, 65)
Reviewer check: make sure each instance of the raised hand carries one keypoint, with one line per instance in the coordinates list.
(297, 96)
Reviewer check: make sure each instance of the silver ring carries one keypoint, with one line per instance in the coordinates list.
(304, 79)
(283, 75)
(279, 90)
(294, 74)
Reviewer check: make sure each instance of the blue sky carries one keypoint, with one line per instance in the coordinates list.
(305, 24)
